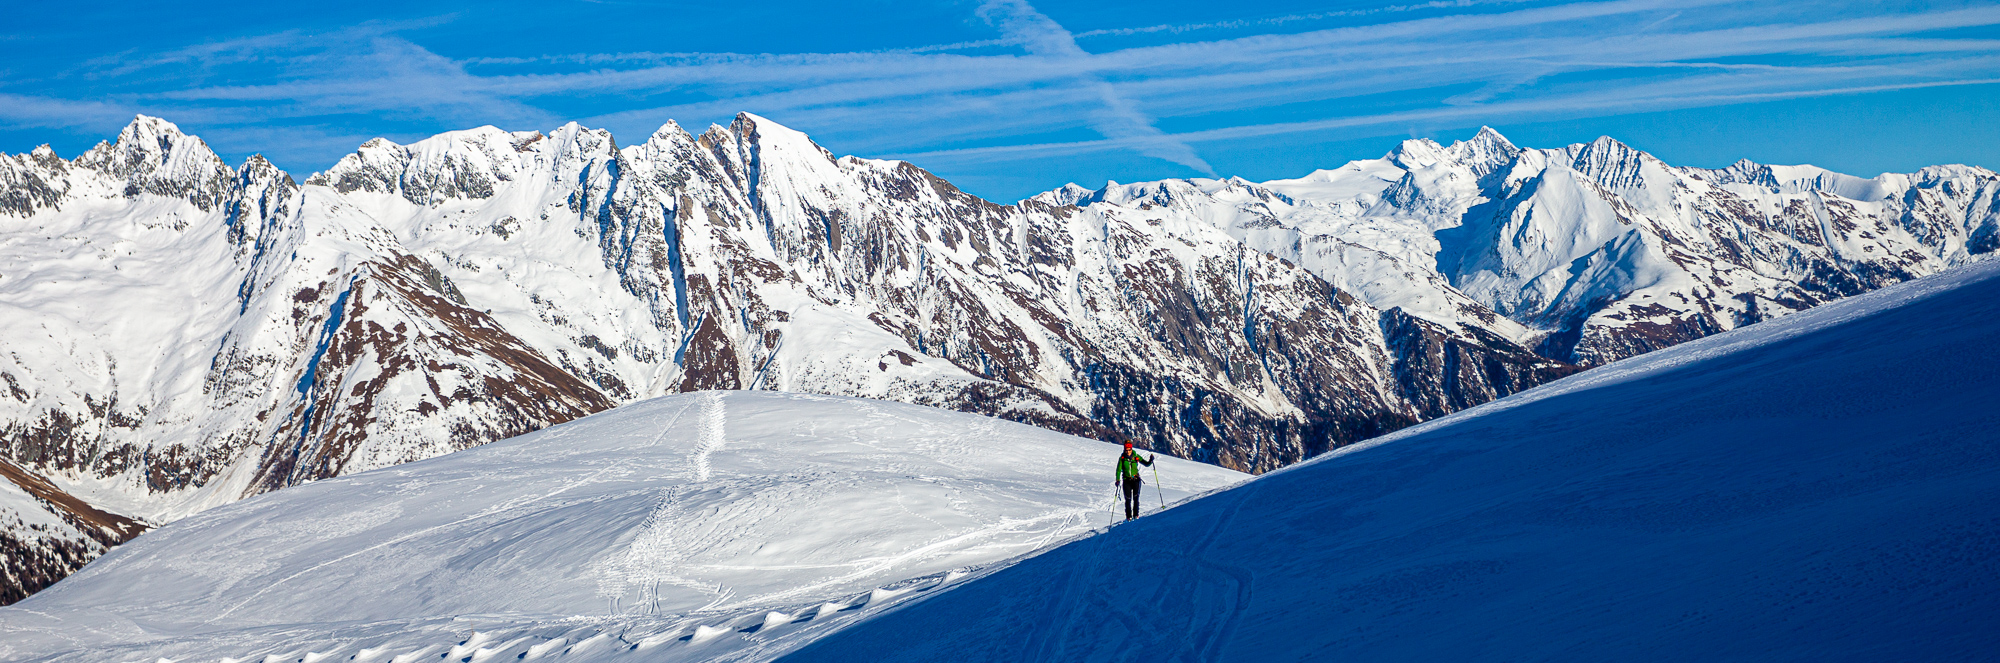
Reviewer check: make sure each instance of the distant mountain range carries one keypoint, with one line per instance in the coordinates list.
(180, 334)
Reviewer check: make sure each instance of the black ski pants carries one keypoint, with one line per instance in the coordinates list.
(1131, 489)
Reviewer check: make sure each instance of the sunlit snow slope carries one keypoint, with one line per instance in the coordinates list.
(1825, 486)
(699, 526)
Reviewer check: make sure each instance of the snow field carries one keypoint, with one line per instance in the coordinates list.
(706, 526)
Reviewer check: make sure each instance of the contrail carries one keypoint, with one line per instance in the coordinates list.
(1119, 119)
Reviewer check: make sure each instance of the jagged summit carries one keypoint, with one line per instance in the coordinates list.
(145, 130)
(778, 139)
(153, 156)
(151, 141)
(1488, 148)
(1485, 145)
(1490, 135)
(465, 165)
(671, 131)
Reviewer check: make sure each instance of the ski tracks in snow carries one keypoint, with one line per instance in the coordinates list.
(713, 428)
(655, 552)
(1239, 577)
(502, 507)
(689, 501)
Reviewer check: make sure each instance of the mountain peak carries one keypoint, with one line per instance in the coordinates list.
(258, 163)
(768, 133)
(154, 138)
(671, 131)
(147, 126)
(1065, 195)
(153, 155)
(1609, 143)
(467, 164)
(1416, 153)
(1490, 136)
(149, 137)
(1485, 152)
(1608, 148)
(747, 123)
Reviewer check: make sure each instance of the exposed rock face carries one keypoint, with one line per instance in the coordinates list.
(181, 335)
(1451, 372)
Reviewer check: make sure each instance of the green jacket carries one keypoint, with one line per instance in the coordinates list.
(1128, 464)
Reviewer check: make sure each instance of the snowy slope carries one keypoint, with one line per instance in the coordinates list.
(630, 528)
(1818, 487)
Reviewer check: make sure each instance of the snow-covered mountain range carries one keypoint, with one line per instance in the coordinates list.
(181, 334)
(1592, 252)
(719, 525)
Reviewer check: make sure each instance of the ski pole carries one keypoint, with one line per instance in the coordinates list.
(1157, 488)
(1115, 496)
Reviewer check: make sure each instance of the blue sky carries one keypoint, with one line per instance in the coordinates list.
(1010, 97)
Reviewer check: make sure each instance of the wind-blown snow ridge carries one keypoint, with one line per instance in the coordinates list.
(707, 526)
(1818, 487)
